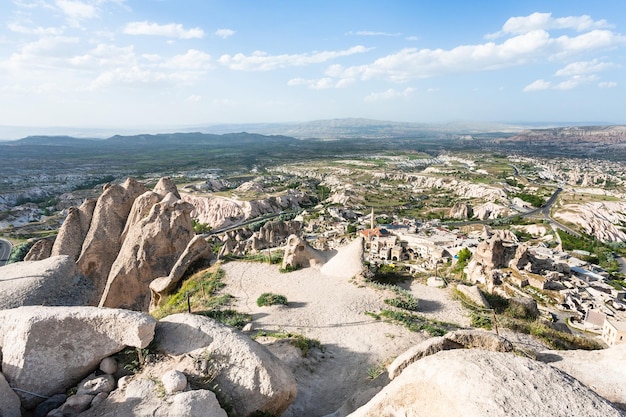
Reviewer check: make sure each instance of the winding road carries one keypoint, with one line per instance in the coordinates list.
(5, 251)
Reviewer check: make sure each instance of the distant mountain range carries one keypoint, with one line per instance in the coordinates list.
(322, 129)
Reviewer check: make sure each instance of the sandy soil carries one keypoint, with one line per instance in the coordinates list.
(332, 310)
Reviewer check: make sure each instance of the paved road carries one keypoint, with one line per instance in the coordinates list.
(5, 251)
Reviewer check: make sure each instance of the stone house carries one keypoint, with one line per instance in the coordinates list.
(614, 332)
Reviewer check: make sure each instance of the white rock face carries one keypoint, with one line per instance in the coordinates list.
(47, 350)
(250, 377)
(490, 211)
(599, 218)
(348, 261)
(53, 281)
(474, 383)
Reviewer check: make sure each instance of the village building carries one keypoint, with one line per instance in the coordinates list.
(614, 332)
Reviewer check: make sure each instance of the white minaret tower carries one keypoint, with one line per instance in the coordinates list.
(372, 219)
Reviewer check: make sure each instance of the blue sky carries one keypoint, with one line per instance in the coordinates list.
(168, 63)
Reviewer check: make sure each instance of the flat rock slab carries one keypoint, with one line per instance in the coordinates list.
(47, 350)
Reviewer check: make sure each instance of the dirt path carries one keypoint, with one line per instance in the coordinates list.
(331, 310)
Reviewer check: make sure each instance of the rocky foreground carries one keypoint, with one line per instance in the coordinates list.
(71, 313)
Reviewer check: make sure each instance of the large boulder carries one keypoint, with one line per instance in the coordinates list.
(53, 281)
(604, 370)
(461, 211)
(475, 383)
(197, 248)
(47, 350)
(298, 253)
(247, 375)
(150, 250)
(9, 401)
(73, 231)
(40, 250)
(103, 240)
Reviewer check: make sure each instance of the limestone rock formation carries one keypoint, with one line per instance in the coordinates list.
(196, 249)
(47, 350)
(275, 233)
(490, 211)
(40, 250)
(348, 262)
(9, 401)
(461, 211)
(475, 383)
(102, 242)
(249, 376)
(604, 371)
(494, 253)
(53, 281)
(528, 260)
(601, 219)
(74, 229)
(151, 249)
(298, 253)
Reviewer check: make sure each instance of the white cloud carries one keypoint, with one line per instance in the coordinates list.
(537, 86)
(77, 10)
(545, 21)
(607, 84)
(390, 95)
(191, 60)
(171, 30)
(194, 98)
(521, 49)
(261, 61)
(224, 33)
(320, 84)
(575, 81)
(40, 31)
(584, 67)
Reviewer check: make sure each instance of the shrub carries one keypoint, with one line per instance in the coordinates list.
(269, 299)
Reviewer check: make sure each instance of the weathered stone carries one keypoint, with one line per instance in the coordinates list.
(197, 403)
(475, 383)
(473, 293)
(249, 376)
(9, 401)
(103, 240)
(74, 405)
(298, 253)
(140, 209)
(174, 381)
(197, 248)
(73, 231)
(166, 186)
(40, 250)
(150, 250)
(108, 365)
(47, 350)
(50, 404)
(604, 371)
(53, 281)
(94, 385)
